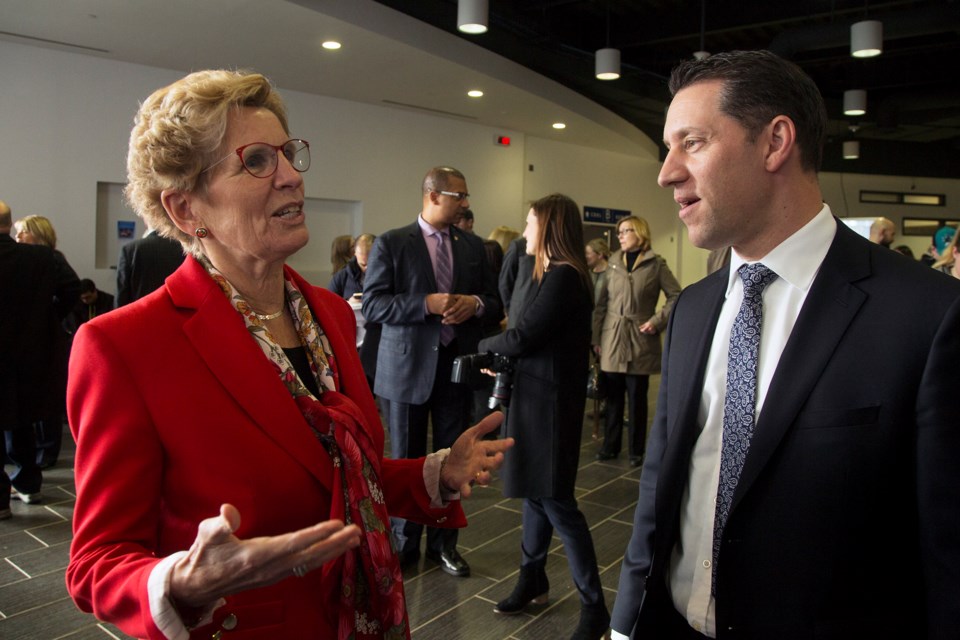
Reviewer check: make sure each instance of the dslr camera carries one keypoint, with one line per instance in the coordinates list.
(467, 369)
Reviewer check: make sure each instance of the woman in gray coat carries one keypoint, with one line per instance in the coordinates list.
(548, 336)
(626, 333)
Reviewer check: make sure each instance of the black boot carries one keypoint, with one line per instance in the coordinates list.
(594, 622)
(532, 588)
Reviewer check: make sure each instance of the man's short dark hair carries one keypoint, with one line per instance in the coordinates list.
(466, 214)
(87, 285)
(438, 178)
(757, 87)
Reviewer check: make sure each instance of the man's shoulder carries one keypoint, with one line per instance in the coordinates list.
(399, 232)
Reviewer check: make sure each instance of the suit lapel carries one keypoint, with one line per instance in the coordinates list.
(457, 257)
(221, 339)
(423, 262)
(691, 336)
(830, 307)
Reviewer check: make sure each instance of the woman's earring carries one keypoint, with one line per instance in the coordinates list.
(201, 232)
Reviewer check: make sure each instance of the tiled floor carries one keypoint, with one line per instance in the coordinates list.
(34, 545)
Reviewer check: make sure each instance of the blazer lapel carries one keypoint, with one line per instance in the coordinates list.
(419, 244)
(221, 339)
(830, 307)
(690, 340)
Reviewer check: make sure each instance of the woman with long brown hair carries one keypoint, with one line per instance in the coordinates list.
(548, 337)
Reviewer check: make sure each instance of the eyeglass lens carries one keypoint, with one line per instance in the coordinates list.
(260, 159)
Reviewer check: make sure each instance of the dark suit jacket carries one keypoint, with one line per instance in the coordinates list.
(170, 426)
(845, 522)
(549, 336)
(399, 277)
(144, 264)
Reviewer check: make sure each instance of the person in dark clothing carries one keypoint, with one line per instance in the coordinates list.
(39, 230)
(144, 264)
(548, 336)
(32, 288)
(92, 303)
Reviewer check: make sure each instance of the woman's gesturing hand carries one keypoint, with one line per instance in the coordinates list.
(219, 564)
(472, 459)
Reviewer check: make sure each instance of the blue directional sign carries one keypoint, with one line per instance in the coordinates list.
(603, 215)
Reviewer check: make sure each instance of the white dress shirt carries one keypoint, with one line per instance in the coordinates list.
(796, 261)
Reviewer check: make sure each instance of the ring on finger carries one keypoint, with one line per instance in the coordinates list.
(300, 570)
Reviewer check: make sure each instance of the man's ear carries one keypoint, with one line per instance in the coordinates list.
(781, 142)
(178, 207)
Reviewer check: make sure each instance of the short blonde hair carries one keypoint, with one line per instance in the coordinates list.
(40, 228)
(504, 235)
(179, 131)
(364, 240)
(640, 227)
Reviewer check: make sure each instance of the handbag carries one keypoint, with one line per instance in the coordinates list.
(596, 383)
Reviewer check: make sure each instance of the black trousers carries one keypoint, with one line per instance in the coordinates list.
(635, 387)
(540, 517)
(20, 446)
(447, 409)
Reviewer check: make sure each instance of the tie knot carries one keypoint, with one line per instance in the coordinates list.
(755, 278)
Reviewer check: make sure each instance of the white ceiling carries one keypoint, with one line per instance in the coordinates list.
(387, 58)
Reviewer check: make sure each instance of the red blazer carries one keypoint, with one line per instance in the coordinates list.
(175, 411)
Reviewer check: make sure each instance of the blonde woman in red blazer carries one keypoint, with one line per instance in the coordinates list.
(230, 479)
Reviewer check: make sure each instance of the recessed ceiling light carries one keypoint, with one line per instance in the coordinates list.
(475, 93)
(331, 45)
(559, 125)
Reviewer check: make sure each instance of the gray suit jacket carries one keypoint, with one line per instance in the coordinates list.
(399, 277)
(845, 521)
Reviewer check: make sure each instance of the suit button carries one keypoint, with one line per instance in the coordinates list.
(230, 622)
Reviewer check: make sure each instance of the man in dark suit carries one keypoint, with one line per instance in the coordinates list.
(144, 264)
(28, 285)
(428, 284)
(801, 481)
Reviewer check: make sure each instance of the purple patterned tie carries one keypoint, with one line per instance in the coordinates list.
(739, 406)
(444, 282)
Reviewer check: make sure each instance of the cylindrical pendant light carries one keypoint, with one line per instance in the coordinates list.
(851, 149)
(608, 64)
(866, 39)
(854, 102)
(472, 16)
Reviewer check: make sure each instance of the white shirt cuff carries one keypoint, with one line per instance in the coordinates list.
(440, 496)
(616, 635)
(162, 611)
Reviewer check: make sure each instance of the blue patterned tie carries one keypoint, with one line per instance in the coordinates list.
(444, 282)
(739, 406)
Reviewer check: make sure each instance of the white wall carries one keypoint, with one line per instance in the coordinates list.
(66, 120)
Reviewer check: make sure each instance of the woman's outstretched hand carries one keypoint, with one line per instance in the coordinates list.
(472, 459)
(219, 563)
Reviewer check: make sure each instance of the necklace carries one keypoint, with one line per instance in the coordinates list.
(263, 317)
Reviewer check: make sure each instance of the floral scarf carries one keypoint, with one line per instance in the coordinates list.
(371, 600)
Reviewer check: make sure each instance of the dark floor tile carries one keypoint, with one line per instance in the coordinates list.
(50, 620)
(28, 516)
(472, 619)
(487, 525)
(40, 561)
(610, 540)
(617, 494)
(596, 474)
(55, 533)
(26, 594)
(434, 593)
(17, 541)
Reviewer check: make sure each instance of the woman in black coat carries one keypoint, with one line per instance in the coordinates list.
(548, 335)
